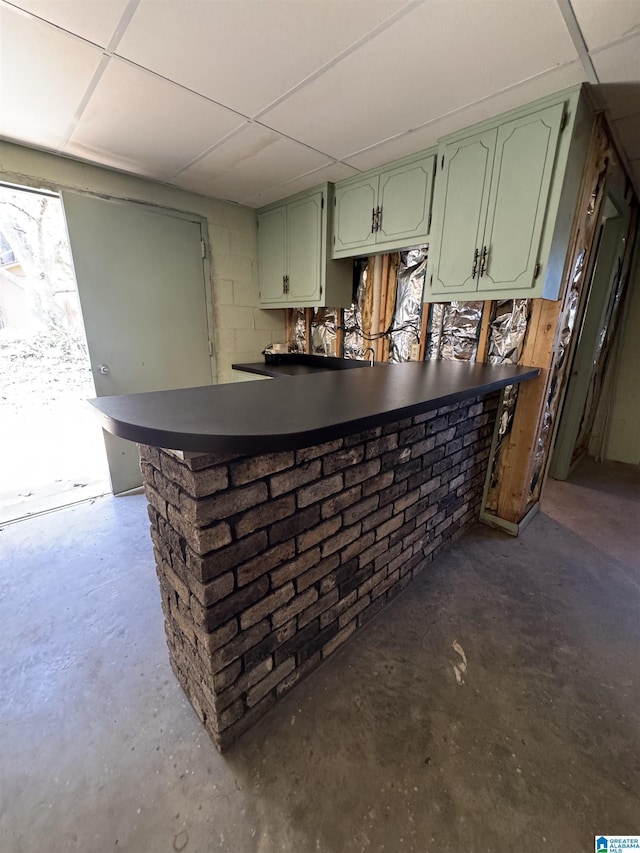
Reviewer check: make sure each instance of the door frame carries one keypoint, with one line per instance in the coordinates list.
(613, 226)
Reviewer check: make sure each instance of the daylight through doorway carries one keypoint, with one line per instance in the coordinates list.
(51, 446)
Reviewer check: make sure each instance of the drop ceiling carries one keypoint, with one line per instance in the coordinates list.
(252, 100)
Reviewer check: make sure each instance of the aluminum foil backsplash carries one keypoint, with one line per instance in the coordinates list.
(507, 331)
(405, 331)
(297, 333)
(324, 328)
(453, 330)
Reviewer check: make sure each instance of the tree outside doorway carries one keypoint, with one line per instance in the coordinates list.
(51, 447)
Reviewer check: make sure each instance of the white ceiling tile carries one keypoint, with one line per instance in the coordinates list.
(39, 97)
(141, 123)
(428, 135)
(335, 172)
(603, 21)
(246, 54)
(629, 133)
(95, 20)
(436, 59)
(251, 161)
(619, 63)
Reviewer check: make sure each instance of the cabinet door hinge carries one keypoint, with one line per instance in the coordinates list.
(563, 121)
(536, 271)
(203, 248)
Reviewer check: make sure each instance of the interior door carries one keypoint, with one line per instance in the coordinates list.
(304, 224)
(142, 293)
(525, 154)
(463, 194)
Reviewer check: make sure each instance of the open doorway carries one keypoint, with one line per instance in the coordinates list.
(598, 325)
(51, 446)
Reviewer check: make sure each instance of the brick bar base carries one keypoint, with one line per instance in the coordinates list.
(268, 563)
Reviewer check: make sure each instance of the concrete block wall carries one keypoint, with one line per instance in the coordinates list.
(268, 564)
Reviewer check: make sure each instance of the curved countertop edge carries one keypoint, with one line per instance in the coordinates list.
(138, 417)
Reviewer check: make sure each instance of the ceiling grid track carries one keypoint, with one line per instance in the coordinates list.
(571, 22)
(119, 31)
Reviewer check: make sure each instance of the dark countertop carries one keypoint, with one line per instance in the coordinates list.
(256, 417)
(276, 370)
(298, 364)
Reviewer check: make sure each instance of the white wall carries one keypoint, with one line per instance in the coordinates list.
(241, 329)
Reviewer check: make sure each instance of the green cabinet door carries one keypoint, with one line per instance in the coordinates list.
(461, 208)
(304, 242)
(272, 257)
(523, 166)
(404, 198)
(353, 217)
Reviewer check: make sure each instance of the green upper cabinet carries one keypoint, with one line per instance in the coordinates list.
(404, 197)
(353, 221)
(384, 210)
(464, 195)
(304, 243)
(294, 261)
(491, 200)
(272, 244)
(523, 165)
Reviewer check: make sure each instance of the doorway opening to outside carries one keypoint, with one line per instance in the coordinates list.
(51, 446)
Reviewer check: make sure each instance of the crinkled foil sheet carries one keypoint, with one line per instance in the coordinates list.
(298, 332)
(507, 331)
(453, 330)
(324, 328)
(408, 308)
(352, 340)
(567, 324)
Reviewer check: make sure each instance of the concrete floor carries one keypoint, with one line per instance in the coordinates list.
(535, 746)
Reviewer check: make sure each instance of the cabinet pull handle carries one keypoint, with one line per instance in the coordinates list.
(474, 265)
(287, 281)
(378, 218)
(373, 220)
(483, 262)
(284, 284)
